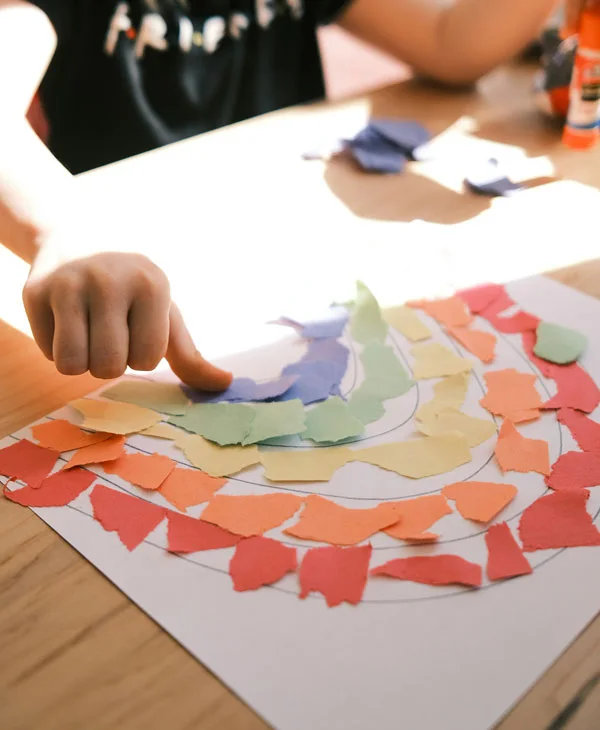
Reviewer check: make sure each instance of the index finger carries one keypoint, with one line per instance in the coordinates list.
(187, 363)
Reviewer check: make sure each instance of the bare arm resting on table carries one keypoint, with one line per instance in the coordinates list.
(454, 41)
(96, 312)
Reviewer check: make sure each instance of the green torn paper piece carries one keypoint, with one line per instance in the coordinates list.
(331, 421)
(365, 406)
(162, 397)
(384, 375)
(224, 423)
(275, 419)
(557, 344)
(366, 322)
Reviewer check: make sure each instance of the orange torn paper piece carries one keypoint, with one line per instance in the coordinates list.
(479, 343)
(249, 515)
(218, 461)
(512, 394)
(131, 518)
(106, 450)
(407, 322)
(185, 488)
(147, 471)
(62, 435)
(259, 561)
(416, 516)
(450, 312)
(419, 458)
(450, 392)
(480, 501)
(325, 521)
(517, 453)
(114, 417)
(433, 360)
(304, 465)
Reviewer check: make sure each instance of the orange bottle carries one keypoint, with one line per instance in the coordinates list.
(582, 129)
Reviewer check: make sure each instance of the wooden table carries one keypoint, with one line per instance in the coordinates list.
(76, 653)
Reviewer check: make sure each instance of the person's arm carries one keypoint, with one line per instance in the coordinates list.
(88, 311)
(455, 41)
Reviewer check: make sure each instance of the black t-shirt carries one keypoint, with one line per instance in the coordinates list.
(130, 76)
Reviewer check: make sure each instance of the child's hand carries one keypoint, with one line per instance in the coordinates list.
(109, 310)
(573, 12)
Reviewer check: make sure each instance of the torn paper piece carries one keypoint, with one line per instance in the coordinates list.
(260, 561)
(304, 465)
(114, 417)
(505, 557)
(164, 431)
(433, 570)
(223, 423)
(190, 535)
(448, 393)
(325, 521)
(218, 461)
(479, 298)
(185, 488)
(585, 431)
(163, 397)
(433, 360)
(384, 375)
(61, 435)
(275, 419)
(416, 516)
(575, 389)
(450, 312)
(559, 345)
(28, 462)
(478, 343)
(575, 470)
(514, 452)
(475, 430)
(365, 406)
(480, 501)
(329, 324)
(253, 514)
(106, 450)
(245, 390)
(131, 518)
(406, 321)
(512, 394)
(147, 471)
(331, 421)
(558, 520)
(366, 322)
(57, 490)
(339, 574)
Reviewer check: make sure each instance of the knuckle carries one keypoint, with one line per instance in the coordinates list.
(66, 284)
(70, 365)
(107, 370)
(146, 358)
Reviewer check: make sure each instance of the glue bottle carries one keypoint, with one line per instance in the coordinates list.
(583, 122)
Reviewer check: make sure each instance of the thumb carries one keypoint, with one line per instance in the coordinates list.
(185, 360)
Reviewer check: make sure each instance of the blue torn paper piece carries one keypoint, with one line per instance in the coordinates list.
(404, 133)
(319, 372)
(375, 153)
(246, 390)
(329, 324)
(329, 351)
(488, 179)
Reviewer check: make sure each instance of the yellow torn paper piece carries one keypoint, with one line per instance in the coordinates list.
(419, 458)
(448, 393)
(433, 360)
(406, 321)
(304, 465)
(475, 430)
(164, 431)
(218, 461)
(114, 416)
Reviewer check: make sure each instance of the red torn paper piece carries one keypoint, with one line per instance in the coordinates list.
(479, 343)
(260, 561)
(190, 535)
(505, 557)
(57, 490)
(449, 312)
(480, 501)
(517, 453)
(339, 574)
(185, 488)
(108, 449)
(512, 394)
(575, 389)
(27, 462)
(416, 516)
(131, 518)
(585, 431)
(558, 520)
(325, 521)
(253, 514)
(575, 470)
(147, 471)
(62, 435)
(479, 298)
(519, 322)
(433, 570)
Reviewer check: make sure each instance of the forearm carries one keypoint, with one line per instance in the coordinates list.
(34, 188)
(477, 35)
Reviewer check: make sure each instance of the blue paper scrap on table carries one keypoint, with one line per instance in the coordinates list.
(386, 145)
(489, 179)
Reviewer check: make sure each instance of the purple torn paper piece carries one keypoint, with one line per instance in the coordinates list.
(375, 153)
(329, 351)
(405, 134)
(489, 180)
(330, 324)
(246, 390)
(319, 372)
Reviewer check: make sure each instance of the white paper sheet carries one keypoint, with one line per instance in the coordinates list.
(409, 656)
